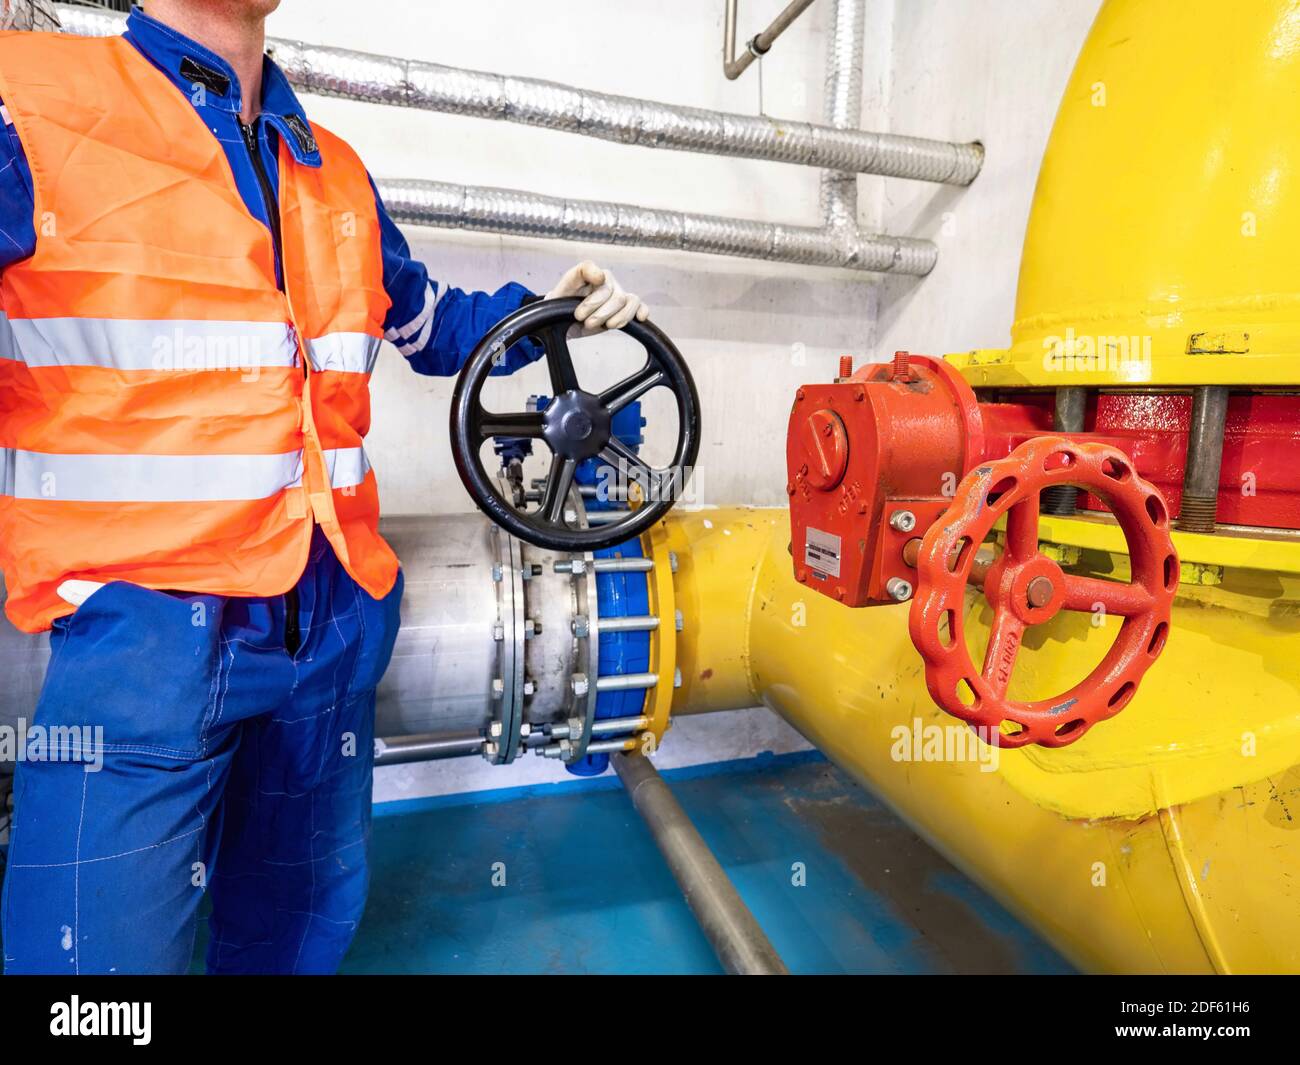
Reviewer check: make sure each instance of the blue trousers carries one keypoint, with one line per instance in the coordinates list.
(230, 763)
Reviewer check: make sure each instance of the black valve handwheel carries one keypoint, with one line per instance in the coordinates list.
(574, 426)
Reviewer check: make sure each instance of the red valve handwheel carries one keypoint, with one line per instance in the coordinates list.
(1024, 587)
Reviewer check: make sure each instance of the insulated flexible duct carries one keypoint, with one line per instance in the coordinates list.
(843, 94)
(517, 213)
(532, 102)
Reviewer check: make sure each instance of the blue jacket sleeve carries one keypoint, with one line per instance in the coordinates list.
(17, 226)
(434, 327)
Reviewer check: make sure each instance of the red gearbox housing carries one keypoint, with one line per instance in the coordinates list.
(873, 459)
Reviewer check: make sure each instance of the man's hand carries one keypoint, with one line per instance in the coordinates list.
(606, 303)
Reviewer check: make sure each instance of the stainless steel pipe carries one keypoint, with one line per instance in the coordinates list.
(736, 937)
(735, 65)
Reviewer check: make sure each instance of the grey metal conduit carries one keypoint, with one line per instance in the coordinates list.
(626, 120)
(733, 65)
(736, 937)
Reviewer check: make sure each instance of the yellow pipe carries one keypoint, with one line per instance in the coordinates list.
(1162, 234)
(1206, 881)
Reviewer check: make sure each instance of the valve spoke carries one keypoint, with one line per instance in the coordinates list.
(558, 483)
(1085, 593)
(517, 423)
(631, 466)
(1022, 529)
(559, 360)
(1005, 635)
(618, 396)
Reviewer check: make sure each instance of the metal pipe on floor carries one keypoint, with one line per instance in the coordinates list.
(733, 65)
(736, 937)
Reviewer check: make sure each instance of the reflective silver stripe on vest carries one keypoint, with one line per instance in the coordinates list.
(344, 352)
(347, 466)
(146, 478)
(142, 344)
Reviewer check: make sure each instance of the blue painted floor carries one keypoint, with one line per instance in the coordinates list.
(566, 879)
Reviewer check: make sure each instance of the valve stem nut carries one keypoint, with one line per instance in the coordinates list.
(1040, 592)
(898, 589)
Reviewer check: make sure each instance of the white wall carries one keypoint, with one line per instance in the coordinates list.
(986, 70)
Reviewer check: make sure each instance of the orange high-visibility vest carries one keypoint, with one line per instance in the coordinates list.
(168, 416)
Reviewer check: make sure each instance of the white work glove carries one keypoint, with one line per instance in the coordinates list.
(606, 303)
(77, 592)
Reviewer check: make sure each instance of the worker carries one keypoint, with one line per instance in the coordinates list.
(195, 281)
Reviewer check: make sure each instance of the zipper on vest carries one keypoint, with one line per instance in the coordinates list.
(292, 626)
(269, 199)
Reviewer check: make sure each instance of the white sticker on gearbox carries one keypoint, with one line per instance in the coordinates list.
(822, 552)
